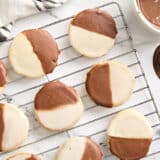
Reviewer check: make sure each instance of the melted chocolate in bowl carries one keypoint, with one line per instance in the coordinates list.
(151, 10)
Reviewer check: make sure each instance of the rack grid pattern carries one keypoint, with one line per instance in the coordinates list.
(72, 69)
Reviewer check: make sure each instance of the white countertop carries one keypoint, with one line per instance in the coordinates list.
(145, 42)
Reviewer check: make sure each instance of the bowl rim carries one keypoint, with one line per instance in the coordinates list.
(144, 19)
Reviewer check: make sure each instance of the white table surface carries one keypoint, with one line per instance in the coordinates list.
(144, 41)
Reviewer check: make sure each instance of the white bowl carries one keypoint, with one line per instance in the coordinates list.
(149, 25)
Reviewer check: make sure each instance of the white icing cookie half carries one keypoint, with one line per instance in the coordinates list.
(79, 148)
(110, 83)
(24, 156)
(92, 32)
(14, 127)
(33, 53)
(57, 106)
(129, 135)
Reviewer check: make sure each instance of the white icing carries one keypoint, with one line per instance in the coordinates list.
(15, 127)
(60, 118)
(122, 82)
(23, 58)
(72, 149)
(129, 124)
(90, 44)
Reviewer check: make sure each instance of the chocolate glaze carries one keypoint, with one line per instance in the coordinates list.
(33, 157)
(156, 61)
(45, 47)
(98, 85)
(92, 151)
(1, 126)
(151, 10)
(3, 74)
(96, 20)
(55, 94)
(129, 149)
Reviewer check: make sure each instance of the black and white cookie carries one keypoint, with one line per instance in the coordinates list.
(24, 156)
(33, 53)
(129, 135)
(79, 148)
(110, 83)
(92, 32)
(14, 127)
(57, 106)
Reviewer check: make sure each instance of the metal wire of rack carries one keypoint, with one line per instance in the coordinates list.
(72, 69)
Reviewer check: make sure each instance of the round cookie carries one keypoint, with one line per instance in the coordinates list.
(79, 148)
(3, 76)
(57, 106)
(92, 32)
(13, 127)
(129, 135)
(24, 156)
(110, 83)
(33, 53)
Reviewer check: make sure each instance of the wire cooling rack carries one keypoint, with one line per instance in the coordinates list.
(72, 70)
